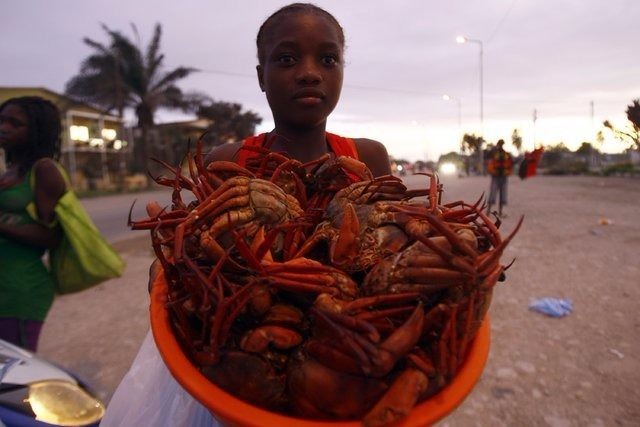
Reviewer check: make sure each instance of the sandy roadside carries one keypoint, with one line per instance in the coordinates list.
(580, 370)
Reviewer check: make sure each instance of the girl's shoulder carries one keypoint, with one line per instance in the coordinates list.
(373, 154)
(48, 176)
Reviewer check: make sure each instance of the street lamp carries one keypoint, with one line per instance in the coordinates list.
(462, 39)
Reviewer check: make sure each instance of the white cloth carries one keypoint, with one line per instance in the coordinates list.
(148, 395)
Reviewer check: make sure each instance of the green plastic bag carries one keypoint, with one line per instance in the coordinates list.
(83, 258)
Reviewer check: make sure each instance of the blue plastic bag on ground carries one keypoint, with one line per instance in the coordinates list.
(554, 307)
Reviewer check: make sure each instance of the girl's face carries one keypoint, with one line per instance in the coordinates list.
(302, 71)
(14, 127)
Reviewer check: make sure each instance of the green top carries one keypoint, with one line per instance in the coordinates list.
(26, 288)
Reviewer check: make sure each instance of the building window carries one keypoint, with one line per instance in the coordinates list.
(109, 134)
(79, 133)
(96, 142)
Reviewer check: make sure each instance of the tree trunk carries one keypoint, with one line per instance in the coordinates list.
(141, 150)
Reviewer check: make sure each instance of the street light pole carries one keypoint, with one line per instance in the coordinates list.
(462, 39)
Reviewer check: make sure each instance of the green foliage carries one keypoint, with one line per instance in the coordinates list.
(471, 143)
(516, 139)
(626, 168)
(558, 148)
(586, 149)
(554, 155)
(568, 167)
(230, 123)
(633, 113)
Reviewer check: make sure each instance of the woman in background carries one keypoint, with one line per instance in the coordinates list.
(30, 136)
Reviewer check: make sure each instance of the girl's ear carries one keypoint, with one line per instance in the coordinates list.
(260, 72)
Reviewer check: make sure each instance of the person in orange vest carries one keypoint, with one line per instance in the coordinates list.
(499, 167)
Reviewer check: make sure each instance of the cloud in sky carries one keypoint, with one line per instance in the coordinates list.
(555, 56)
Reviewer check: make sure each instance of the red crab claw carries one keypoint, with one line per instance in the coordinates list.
(356, 354)
(344, 249)
(399, 400)
(486, 260)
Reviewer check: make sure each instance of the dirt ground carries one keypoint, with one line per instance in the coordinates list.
(580, 240)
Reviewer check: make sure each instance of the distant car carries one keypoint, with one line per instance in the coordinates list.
(36, 393)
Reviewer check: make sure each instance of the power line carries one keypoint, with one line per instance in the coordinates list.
(226, 73)
(504, 17)
(380, 89)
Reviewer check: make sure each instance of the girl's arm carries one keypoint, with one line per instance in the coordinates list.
(374, 155)
(32, 234)
(50, 186)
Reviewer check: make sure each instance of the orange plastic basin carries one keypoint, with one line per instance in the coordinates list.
(231, 411)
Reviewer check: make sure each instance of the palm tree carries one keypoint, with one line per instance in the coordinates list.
(631, 134)
(473, 145)
(516, 140)
(120, 76)
(633, 113)
(230, 123)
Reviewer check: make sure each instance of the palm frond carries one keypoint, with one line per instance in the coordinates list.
(96, 45)
(173, 97)
(171, 77)
(153, 59)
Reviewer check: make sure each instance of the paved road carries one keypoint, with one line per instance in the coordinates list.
(110, 213)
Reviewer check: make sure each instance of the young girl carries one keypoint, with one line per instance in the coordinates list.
(30, 137)
(300, 68)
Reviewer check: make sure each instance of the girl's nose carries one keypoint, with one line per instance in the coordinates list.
(309, 73)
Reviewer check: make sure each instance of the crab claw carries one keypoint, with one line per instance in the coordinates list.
(345, 248)
(398, 344)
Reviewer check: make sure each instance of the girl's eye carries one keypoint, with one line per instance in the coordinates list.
(330, 60)
(286, 59)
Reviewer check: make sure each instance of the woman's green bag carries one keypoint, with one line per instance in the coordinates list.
(83, 258)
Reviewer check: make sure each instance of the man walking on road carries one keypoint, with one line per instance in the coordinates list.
(499, 167)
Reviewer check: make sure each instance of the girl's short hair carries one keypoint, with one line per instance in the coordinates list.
(293, 8)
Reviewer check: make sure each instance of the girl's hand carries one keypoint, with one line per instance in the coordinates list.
(154, 269)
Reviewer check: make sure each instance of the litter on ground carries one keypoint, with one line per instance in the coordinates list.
(554, 307)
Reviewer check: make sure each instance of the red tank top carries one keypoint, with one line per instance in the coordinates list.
(340, 146)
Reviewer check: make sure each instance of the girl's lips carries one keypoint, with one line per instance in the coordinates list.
(308, 100)
(308, 96)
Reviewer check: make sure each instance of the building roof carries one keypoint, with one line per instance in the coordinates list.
(63, 102)
(201, 124)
